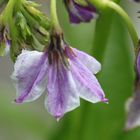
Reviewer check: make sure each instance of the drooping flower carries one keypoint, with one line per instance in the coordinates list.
(78, 12)
(133, 104)
(4, 40)
(64, 72)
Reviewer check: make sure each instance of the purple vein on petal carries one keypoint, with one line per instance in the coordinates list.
(30, 80)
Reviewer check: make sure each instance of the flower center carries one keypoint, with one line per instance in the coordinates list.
(56, 51)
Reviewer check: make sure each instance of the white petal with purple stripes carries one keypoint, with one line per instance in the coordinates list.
(30, 75)
(87, 84)
(91, 63)
(62, 93)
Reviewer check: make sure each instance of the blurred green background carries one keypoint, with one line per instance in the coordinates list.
(90, 121)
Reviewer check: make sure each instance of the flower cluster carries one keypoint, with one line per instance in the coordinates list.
(23, 27)
(44, 62)
(62, 73)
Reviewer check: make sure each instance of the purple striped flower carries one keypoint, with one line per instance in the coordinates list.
(133, 104)
(65, 73)
(79, 13)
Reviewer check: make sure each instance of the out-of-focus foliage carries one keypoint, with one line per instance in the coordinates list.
(90, 121)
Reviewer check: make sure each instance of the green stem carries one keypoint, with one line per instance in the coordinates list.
(31, 21)
(13, 35)
(99, 4)
(116, 8)
(107, 4)
(8, 11)
(54, 18)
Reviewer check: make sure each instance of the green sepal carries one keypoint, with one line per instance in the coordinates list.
(30, 36)
(42, 35)
(22, 25)
(37, 45)
(33, 4)
(40, 17)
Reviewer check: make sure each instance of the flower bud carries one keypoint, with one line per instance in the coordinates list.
(79, 11)
(4, 40)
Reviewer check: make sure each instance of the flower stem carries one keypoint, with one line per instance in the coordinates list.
(127, 20)
(107, 4)
(54, 18)
(99, 4)
(8, 11)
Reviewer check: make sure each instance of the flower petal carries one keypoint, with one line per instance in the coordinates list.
(87, 84)
(132, 108)
(79, 13)
(133, 113)
(62, 93)
(91, 63)
(30, 75)
(85, 13)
